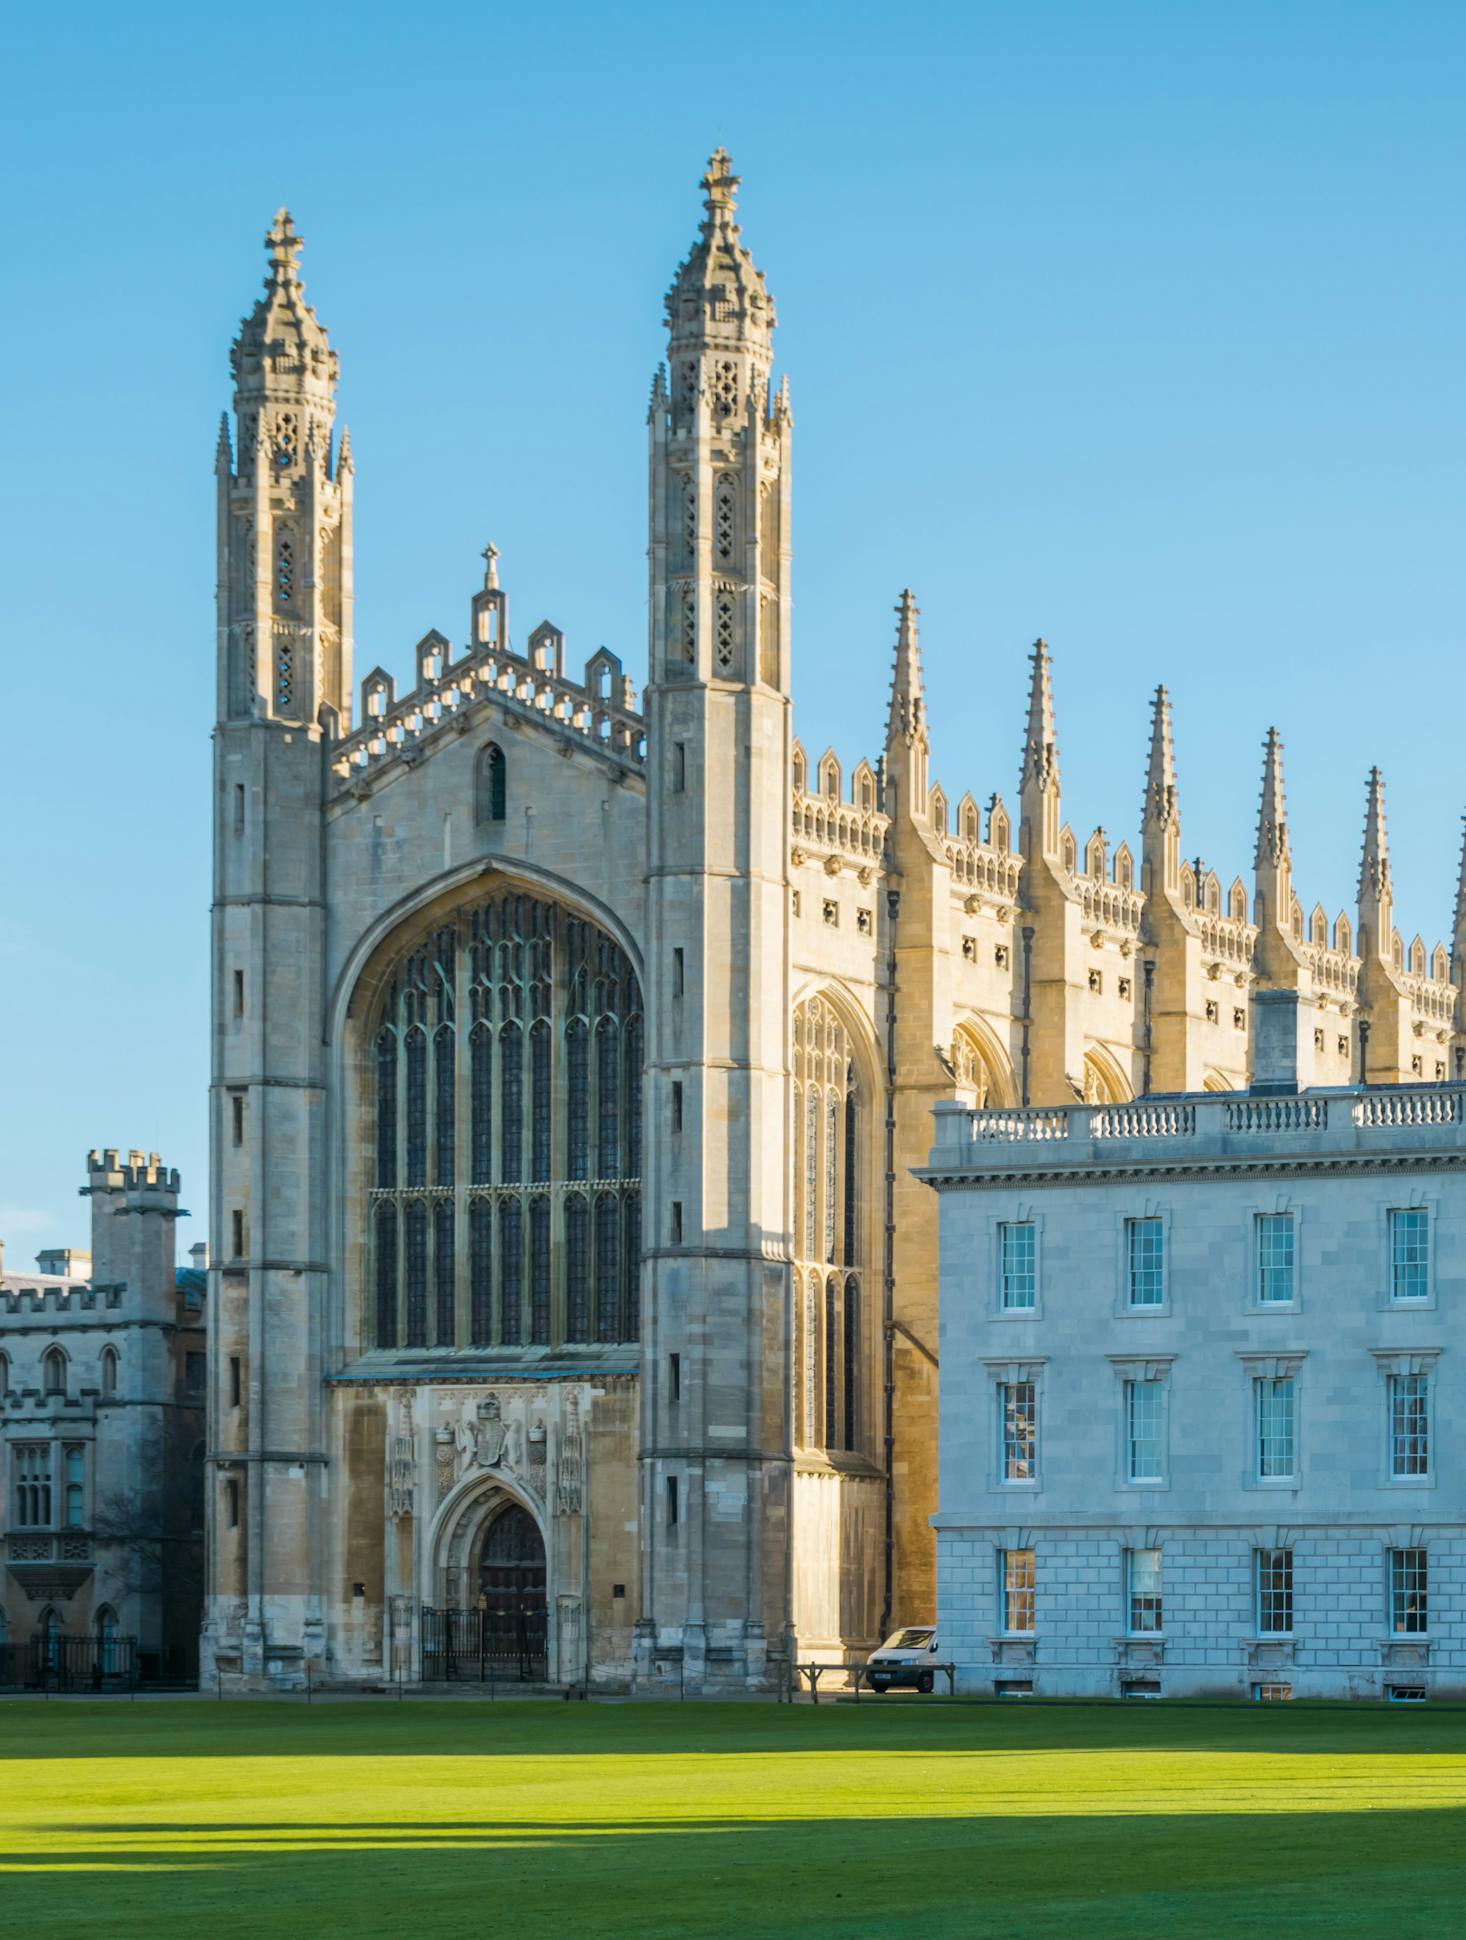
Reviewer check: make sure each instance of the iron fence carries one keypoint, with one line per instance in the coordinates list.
(509, 1642)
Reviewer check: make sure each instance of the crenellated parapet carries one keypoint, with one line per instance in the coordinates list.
(59, 1301)
(599, 710)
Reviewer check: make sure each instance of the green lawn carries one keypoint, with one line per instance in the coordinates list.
(899, 1817)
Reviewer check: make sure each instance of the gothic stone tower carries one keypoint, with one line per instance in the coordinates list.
(284, 672)
(716, 1433)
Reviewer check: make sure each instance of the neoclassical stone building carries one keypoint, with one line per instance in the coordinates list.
(573, 1048)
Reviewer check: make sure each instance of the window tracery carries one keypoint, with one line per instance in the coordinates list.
(511, 1035)
(723, 522)
(830, 1229)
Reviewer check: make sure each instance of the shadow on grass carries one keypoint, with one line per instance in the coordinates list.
(1352, 1873)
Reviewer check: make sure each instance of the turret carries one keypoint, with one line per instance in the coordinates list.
(285, 507)
(716, 1446)
(134, 1214)
(720, 452)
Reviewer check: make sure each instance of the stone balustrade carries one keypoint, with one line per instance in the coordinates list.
(1189, 1129)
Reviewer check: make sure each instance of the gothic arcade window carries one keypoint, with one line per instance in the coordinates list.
(830, 1222)
(506, 1124)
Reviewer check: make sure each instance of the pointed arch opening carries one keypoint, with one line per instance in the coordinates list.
(502, 1061)
(835, 1243)
(980, 1066)
(1104, 1081)
(491, 784)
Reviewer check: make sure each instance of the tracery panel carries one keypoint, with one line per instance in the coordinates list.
(831, 1209)
(506, 1075)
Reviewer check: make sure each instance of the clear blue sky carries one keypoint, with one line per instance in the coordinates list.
(1140, 326)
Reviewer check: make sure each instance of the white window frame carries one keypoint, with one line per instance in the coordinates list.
(1158, 1629)
(1022, 1216)
(1011, 1396)
(1260, 1220)
(1414, 1202)
(1002, 1375)
(1018, 1549)
(1134, 1216)
(1397, 1364)
(1394, 1551)
(1274, 1549)
(1272, 1367)
(1141, 1370)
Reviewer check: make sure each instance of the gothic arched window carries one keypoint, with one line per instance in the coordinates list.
(832, 1202)
(851, 1372)
(53, 1371)
(513, 1034)
(444, 1289)
(108, 1654)
(490, 785)
(539, 1272)
(385, 1238)
(109, 1372)
(577, 1269)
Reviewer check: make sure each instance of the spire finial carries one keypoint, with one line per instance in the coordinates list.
(1160, 778)
(224, 449)
(1040, 743)
(1272, 818)
(284, 247)
(907, 718)
(720, 184)
(1374, 864)
(490, 557)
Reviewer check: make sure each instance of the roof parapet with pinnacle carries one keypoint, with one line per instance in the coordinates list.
(1374, 861)
(907, 717)
(1040, 742)
(1272, 817)
(1161, 805)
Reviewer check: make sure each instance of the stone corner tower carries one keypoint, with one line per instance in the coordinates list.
(716, 1434)
(284, 629)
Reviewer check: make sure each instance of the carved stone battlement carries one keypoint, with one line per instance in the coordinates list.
(59, 1299)
(1108, 906)
(1332, 970)
(982, 869)
(137, 1172)
(1225, 942)
(534, 686)
(838, 829)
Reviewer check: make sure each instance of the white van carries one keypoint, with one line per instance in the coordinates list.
(906, 1657)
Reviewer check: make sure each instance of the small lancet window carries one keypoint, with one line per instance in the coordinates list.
(490, 804)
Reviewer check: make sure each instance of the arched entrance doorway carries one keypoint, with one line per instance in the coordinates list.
(512, 1594)
(503, 1634)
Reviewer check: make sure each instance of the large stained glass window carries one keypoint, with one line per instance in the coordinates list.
(506, 1116)
(830, 1212)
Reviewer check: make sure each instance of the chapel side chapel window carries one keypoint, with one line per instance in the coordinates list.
(830, 1245)
(506, 1123)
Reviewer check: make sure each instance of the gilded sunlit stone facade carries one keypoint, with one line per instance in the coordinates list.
(573, 1049)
